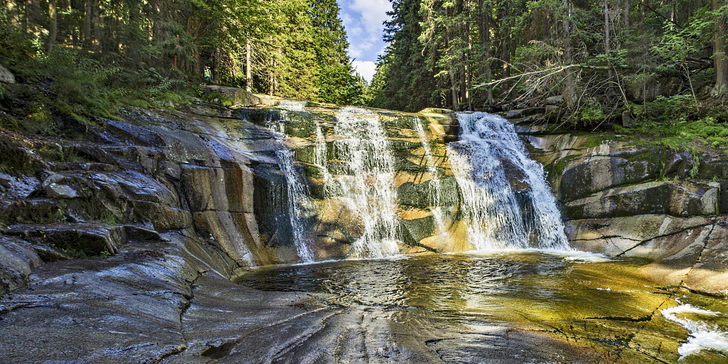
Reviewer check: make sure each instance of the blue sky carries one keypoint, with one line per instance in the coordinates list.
(363, 21)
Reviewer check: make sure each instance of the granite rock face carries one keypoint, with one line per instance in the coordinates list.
(622, 199)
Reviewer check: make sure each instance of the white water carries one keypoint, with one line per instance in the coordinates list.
(488, 160)
(320, 159)
(435, 191)
(297, 191)
(703, 336)
(297, 194)
(366, 182)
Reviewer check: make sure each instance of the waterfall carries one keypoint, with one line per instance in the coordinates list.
(435, 191)
(297, 195)
(297, 191)
(366, 180)
(506, 201)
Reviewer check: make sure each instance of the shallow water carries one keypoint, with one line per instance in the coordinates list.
(510, 307)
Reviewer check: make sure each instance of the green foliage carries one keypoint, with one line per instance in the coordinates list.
(675, 123)
(696, 166)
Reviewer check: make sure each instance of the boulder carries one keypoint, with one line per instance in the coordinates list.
(625, 235)
(17, 259)
(555, 100)
(6, 76)
(608, 167)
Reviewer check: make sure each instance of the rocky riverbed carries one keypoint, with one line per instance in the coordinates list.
(119, 241)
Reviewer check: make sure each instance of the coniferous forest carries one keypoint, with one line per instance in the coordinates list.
(649, 59)
(141, 51)
(602, 56)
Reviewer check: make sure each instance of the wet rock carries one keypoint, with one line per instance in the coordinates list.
(62, 187)
(228, 189)
(123, 309)
(555, 100)
(235, 234)
(38, 210)
(630, 235)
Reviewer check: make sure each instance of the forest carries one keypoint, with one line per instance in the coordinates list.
(600, 60)
(151, 52)
(602, 56)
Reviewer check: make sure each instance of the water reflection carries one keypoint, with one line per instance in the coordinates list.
(460, 304)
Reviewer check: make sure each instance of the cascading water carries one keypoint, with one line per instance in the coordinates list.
(506, 201)
(320, 153)
(297, 194)
(366, 182)
(297, 191)
(435, 191)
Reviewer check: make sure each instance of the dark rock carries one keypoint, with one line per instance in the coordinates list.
(681, 198)
(17, 260)
(555, 100)
(589, 174)
(521, 113)
(627, 119)
(76, 239)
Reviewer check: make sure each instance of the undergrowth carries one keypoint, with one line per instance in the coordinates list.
(678, 123)
(80, 85)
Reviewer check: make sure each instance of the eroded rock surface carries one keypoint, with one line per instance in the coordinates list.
(621, 199)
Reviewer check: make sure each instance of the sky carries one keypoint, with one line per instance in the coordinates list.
(363, 22)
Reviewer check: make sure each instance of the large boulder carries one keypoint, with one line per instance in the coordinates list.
(607, 168)
(677, 198)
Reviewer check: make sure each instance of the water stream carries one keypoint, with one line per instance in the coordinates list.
(522, 297)
(517, 307)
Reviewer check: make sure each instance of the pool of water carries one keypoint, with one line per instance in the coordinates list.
(510, 307)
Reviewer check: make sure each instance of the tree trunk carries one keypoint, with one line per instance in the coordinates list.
(607, 35)
(720, 58)
(484, 32)
(87, 25)
(626, 13)
(569, 87)
(53, 27)
(248, 71)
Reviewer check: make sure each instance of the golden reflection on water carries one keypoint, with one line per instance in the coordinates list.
(602, 305)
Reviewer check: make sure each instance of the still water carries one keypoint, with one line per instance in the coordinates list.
(507, 307)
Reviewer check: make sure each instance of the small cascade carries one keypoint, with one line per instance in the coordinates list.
(366, 180)
(506, 201)
(297, 193)
(320, 153)
(435, 191)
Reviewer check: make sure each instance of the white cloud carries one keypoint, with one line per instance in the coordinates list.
(363, 21)
(365, 68)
